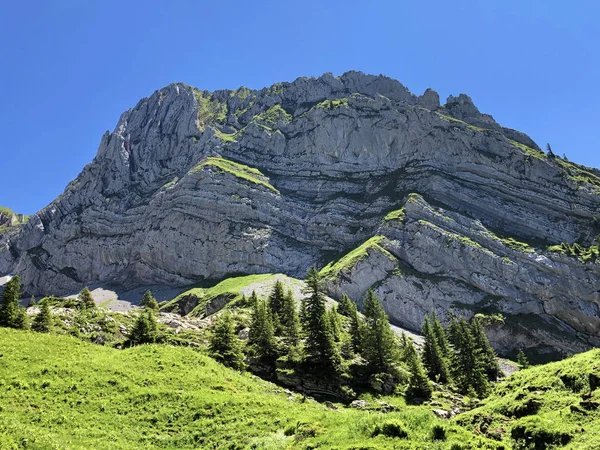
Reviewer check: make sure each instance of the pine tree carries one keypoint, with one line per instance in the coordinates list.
(355, 328)
(261, 336)
(320, 344)
(86, 299)
(224, 344)
(522, 360)
(335, 325)
(144, 329)
(32, 302)
(148, 301)
(440, 335)
(276, 301)
(12, 314)
(253, 300)
(487, 353)
(289, 321)
(419, 385)
(43, 321)
(433, 359)
(379, 345)
(345, 306)
(468, 369)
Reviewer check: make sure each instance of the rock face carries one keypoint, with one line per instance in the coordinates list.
(193, 185)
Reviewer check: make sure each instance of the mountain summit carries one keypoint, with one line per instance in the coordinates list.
(437, 207)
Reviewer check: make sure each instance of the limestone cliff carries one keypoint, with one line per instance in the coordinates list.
(196, 185)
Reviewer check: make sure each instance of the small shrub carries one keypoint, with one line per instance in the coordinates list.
(392, 428)
(438, 433)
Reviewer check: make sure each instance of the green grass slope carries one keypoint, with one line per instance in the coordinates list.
(554, 405)
(57, 392)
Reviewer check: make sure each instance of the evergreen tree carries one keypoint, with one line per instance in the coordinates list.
(467, 362)
(276, 301)
(144, 329)
(31, 302)
(345, 306)
(148, 301)
(433, 359)
(86, 299)
(379, 345)
(335, 325)
(355, 328)
(261, 336)
(43, 321)
(440, 335)
(488, 356)
(289, 321)
(253, 300)
(320, 344)
(224, 344)
(12, 314)
(419, 385)
(522, 360)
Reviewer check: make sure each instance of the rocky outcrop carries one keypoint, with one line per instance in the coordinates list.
(10, 221)
(193, 185)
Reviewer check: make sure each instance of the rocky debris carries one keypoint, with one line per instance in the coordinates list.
(359, 404)
(330, 405)
(197, 186)
(442, 413)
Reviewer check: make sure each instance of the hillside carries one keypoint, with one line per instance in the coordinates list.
(436, 206)
(59, 392)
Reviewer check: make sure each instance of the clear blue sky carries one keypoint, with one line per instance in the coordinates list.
(69, 68)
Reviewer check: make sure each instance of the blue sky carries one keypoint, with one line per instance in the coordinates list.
(70, 68)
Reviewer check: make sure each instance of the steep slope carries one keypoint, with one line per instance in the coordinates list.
(10, 221)
(194, 185)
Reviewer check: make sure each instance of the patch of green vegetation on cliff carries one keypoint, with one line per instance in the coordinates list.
(399, 214)
(352, 258)
(332, 104)
(579, 174)
(209, 110)
(555, 405)
(239, 170)
(585, 254)
(462, 122)
(529, 151)
(511, 243)
(274, 115)
(60, 392)
(225, 137)
(457, 237)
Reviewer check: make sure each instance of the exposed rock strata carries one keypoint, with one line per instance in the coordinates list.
(163, 202)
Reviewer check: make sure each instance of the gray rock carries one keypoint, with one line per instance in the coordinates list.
(327, 159)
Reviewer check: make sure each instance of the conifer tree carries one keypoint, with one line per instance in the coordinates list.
(440, 335)
(253, 300)
(261, 336)
(144, 329)
(433, 359)
(86, 299)
(488, 356)
(335, 324)
(522, 360)
(148, 301)
(224, 344)
(43, 321)
(419, 385)
(289, 321)
(379, 345)
(276, 301)
(320, 344)
(12, 314)
(31, 302)
(345, 306)
(355, 328)
(467, 366)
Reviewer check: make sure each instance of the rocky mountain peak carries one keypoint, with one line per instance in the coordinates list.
(194, 185)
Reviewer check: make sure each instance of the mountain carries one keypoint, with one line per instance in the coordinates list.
(437, 207)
